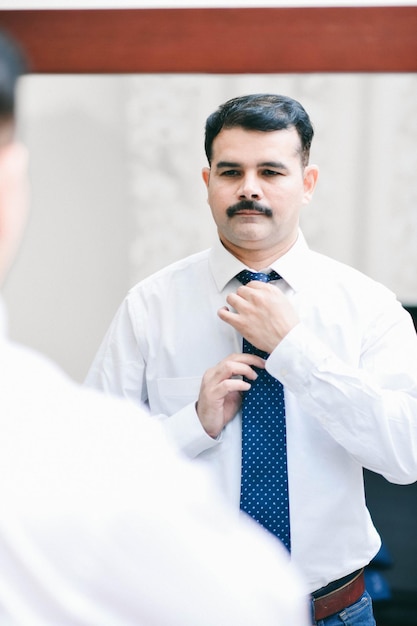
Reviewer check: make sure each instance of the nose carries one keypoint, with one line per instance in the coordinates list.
(249, 188)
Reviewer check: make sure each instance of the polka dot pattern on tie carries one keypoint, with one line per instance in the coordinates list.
(264, 482)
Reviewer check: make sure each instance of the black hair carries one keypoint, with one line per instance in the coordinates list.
(262, 112)
(12, 65)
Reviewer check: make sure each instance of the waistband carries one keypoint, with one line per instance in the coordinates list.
(338, 594)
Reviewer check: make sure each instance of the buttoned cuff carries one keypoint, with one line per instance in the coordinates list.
(185, 430)
(295, 358)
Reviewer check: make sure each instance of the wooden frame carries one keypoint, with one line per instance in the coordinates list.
(269, 40)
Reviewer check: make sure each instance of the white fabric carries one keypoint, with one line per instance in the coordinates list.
(102, 524)
(349, 371)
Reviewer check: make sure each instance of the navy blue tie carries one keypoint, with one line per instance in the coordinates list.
(264, 480)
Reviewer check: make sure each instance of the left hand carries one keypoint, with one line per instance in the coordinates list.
(264, 315)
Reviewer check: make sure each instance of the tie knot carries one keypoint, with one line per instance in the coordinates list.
(245, 276)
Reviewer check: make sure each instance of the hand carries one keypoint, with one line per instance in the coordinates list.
(220, 392)
(264, 315)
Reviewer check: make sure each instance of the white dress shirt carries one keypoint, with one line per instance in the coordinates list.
(103, 523)
(349, 371)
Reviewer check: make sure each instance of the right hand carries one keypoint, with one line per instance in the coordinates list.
(221, 392)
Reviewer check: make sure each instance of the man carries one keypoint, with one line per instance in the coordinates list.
(101, 523)
(341, 347)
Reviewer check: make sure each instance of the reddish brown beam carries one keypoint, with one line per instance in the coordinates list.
(354, 39)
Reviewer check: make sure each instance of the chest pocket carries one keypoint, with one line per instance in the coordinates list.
(173, 394)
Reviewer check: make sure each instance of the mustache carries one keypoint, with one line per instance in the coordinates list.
(250, 205)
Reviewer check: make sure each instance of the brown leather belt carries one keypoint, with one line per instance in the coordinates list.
(340, 598)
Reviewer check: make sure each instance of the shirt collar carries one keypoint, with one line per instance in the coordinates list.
(224, 266)
(291, 266)
(295, 266)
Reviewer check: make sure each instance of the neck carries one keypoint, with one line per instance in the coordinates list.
(258, 259)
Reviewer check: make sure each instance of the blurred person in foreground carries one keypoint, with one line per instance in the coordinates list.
(101, 523)
(283, 370)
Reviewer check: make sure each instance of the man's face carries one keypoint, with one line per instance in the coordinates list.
(256, 188)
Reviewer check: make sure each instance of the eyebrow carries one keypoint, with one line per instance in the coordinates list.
(275, 164)
(223, 164)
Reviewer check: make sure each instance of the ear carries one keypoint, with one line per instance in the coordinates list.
(13, 201)
(206, 175)
(310, 177)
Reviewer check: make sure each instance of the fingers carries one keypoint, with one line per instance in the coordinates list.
(253, 292)
(241, 364)
(227, 376)
(221, 387)
(261, 313)
(225, 387)
(227, 316)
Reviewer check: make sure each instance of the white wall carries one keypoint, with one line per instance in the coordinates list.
(73, 266)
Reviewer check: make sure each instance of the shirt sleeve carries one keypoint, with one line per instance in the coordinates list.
(369, 408)
(119, 369)
(185, 430)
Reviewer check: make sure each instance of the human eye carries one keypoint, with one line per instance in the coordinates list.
(230, 173)
(271, 173)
